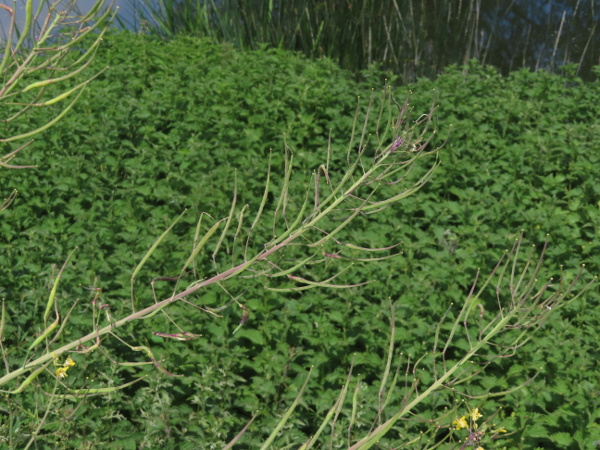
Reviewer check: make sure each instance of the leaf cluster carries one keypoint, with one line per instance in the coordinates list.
(166, 127)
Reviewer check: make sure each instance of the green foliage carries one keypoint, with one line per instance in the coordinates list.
(523, 155)
(164, 129)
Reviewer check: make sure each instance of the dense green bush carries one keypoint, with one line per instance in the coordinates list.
(524, 155)
(166, 127)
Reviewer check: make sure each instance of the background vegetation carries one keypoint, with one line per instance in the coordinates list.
(411, 38)
(164, 129)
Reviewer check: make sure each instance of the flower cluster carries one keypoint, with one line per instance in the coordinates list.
(61, 371)
(476, 434)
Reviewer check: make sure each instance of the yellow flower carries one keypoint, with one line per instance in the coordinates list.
(61, 372)
(479, 448)
(69, 363)
(475, 414)
(460, 423)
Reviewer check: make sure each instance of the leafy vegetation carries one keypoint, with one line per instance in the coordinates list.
(168, 126)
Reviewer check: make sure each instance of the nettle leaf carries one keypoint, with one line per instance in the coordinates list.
(536, 430)
(254, 336)
(562, 439)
